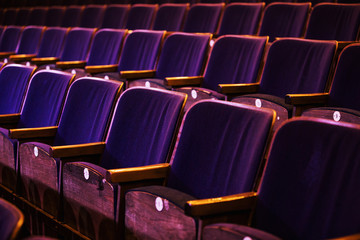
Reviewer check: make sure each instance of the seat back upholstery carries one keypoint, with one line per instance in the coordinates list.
(241, 18)
(143, 128)
(334, 21)
(309, 188)
(203, 17)
(72, 16)
(106, 46)
(11, 220)
(183, 54)
(9, 16)
(52, 42)
(226, 141)
(37, 16)
(22, 16)
(141, 49)
(170, 16)
(234, 59)
(54, 16)
(92, 16)
(115, 16)
(14, 80)
(44, 99)
(86, 112)
(10, 39)
(297, 66)
(141, 16)
(30, 40)
(284, 20)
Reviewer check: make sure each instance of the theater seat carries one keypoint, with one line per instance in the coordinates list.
(11, 220)
(115, 16)
(170, 16)
(141, 16)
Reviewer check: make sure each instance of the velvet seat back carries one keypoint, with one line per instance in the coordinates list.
(22, 16)
(241, 18)
(115, 16)
(142, 128)
(30, 40)
(72, 16)
(10, 39)
(182, 54)
(310, 186)
(86, 110)
(92, 16)
(14, 79)
(141, 16)
(203, 17)
(9, 16)
(284, 20)
(170, 16)
(54, 16)
(11, 220)
(334, 21)
(227, 147)
(44, 99)
(37, 16)
(106, 46)
(140, 50)
(52, 42)
(297, 66)
(234, 59)
(345, 87)
(77, 44)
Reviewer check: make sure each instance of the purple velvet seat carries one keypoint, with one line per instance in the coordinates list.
(115, 16)
(37, 16)
(54, 16)
(182, 54)
(9, 16)
(241, 18)
(11, 220)
(334, 21)
(233, 59)
(42, 107)
(10, 39)
(309, 186)
(220, 149)
(203, 17)
(92, 16)
(293, 66)
(284, 20)
(142, 133)
(72, 16)
(170, 16)
(84, 119)
(22, 16)
(141, 16)
(343, 102)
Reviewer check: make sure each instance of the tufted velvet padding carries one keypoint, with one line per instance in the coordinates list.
(334, 21)
(115, 16)
(142, 131)
(170, 16)
(241, 18)
(284, 20)
(141, 16)
(219, 152)
(10, 38)
(11, 220)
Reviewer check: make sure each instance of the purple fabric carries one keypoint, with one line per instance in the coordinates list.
(77, 44)
(106, 46)
(30, 40)
(37, 16)
(10, 38)
(22, 16)
(309, 190)
(141, 16)
(9, 16)
(140, 50)
(72, 16)
(44, 99)
(54, 16)
(14, 79)
(203, 17)
(92, 16)
(334, 21)
(220, 149)
(284, 20)
(241, 18)
(9, 219)
(86, 111)
(142, 128)
(52, 42)
(297, 66)
(170, 16)
(115, 16)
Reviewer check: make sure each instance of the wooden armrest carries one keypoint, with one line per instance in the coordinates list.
(184, 81)
(22, 57)
(70, 64)
(241, 88)
(348, 237)
(6, 54)
(123, 175)
(306, 99)
(46, 60)
(213, 206)
(77, 150)
(101, 68)
(23, 133)
(9, 118)
(137, 74)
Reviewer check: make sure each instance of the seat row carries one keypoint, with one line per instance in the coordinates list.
(327, 21)
(101, 168)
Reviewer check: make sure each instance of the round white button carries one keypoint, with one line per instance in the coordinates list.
(258, 103)
(159, 204)
(36, 151)
(336, 116)
(73, 71)
(147, 84)
(106, 77)
(193, 94)
(86, 173)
